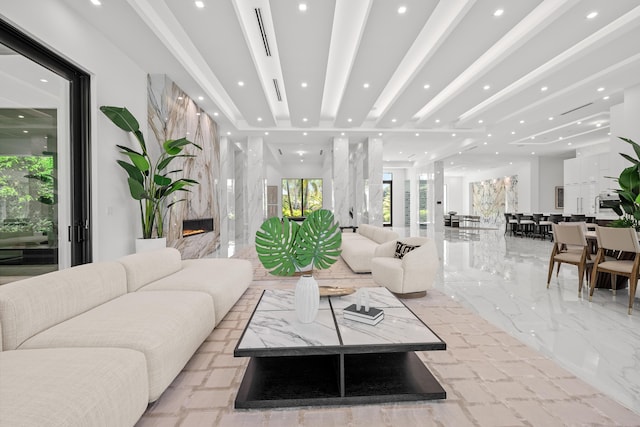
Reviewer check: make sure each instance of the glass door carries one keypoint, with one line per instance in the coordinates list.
(44, 159)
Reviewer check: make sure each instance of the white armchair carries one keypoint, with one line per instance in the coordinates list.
(411, 276)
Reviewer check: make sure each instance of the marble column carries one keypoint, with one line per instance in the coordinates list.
(357, 188)
(256, 186)
(226, 194)
(374, 176)
(340, 181)
(437, 205)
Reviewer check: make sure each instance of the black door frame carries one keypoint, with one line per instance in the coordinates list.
(79, 134)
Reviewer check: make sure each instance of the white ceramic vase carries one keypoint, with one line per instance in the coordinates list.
(307, 298)
(146, 245)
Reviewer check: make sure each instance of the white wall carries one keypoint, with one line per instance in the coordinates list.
(551, 175)
(115, 80)
(455, 201)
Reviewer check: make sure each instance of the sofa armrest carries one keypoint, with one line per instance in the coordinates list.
(387, 249)
(421, 264)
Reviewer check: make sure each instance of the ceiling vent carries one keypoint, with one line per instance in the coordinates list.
(321, 151)
(576, 109)
(263, 33)
(280, 151)
(277, 87)
(471, 148)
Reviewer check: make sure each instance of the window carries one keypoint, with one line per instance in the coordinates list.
(301, 196)
(387, 199)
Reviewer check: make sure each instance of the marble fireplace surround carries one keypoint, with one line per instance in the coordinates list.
(173, 115)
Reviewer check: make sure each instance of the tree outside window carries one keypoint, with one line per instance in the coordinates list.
(301, 196)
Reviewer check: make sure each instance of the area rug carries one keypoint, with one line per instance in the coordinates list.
(491, 379)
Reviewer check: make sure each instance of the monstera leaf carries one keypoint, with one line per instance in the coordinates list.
(275, 244)
(284, 247)
(319, 240)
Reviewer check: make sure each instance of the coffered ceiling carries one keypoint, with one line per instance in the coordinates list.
(475, 83)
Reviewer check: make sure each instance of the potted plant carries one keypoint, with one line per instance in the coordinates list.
(284, 247)
(150, 182)
(629, 191)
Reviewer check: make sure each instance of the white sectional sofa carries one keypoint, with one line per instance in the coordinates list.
(358, 248)
(94, 344)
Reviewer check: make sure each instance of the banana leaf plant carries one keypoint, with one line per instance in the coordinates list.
(150, 182)
(285, 247)
(629, 191)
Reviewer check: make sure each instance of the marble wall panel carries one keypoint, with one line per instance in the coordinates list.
(340, 180)
(256, 186)
(492, 198)
(374, 175)
(173, 115)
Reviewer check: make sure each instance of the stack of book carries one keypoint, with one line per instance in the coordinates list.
(371, 317)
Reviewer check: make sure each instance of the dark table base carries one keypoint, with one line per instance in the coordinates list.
(274, 382)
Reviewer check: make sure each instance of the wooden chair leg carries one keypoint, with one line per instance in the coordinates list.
(613, 284)
(580, 279)
(550, 272)
(633, 284)
(558, 270)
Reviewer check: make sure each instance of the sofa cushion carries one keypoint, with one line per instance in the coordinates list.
(224, 279)
(30, 306)
(358, 253)
(72, 387)
(146, 267)
(167, 327)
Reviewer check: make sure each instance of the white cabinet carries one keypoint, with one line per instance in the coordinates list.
(581, 176)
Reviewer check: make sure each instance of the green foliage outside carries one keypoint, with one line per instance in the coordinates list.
(386, 203)
(27, 194)
(300, 197)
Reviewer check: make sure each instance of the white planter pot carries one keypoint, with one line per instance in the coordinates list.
(146, 245)
(307, 298)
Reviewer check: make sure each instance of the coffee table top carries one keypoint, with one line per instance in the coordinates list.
(274, 329)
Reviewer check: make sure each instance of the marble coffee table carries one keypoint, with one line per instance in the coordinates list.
(334, 361)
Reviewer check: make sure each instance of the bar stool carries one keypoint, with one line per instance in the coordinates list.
(511, 224)
(542, 227)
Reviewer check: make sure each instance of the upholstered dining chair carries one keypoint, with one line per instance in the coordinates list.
(621, 240)
(570, 247)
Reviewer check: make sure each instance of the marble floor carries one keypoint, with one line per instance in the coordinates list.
(503, 279)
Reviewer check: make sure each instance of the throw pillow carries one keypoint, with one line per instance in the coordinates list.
(402, 249)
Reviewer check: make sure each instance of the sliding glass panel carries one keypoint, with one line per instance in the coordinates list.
(312, 196)
(33, 123)
(301, 196)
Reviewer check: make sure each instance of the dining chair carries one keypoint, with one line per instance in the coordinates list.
(570, 247)
(510, 224)
(623, 240)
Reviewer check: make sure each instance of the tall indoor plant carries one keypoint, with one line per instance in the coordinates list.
(629, 191)
(150, 182)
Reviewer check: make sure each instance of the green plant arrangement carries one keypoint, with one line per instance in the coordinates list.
(285, 247)
(629, 191)
(150, 182)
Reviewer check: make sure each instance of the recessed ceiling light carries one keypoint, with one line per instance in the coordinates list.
(379, 133)
(560, 138)
(489, 135)
(459, 152)
(437, 120)
(304, 133)
(606, 97)
(498, 12)
(550, 118)
(200, 98)
(568, 143)
(485, 143)
(366, 85)
(427, 86)
(579, 123)
(96, 2)
(486, 87)
(266, 133)
(199, 4)
(228, 133)
(349, 120)
(417, 134)
(301, 160)
(592, 15)
(302, 7)
(544, 88)
(598, 125)
(240, 83)
(521, 122)
(259, 119)
(451, 163)
(44, 80)
(533, 137)
(341, 133)
(533, 152)
(304, 119)
(393, 120)
(216, 114)
(513, 132)
(497, 152)
(426, 152)
(402, 10)
(600, 89)
(303, 84)
(399, 152)
(453, 134)
(480, 121)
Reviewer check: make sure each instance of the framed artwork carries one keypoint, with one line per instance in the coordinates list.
(559, 197)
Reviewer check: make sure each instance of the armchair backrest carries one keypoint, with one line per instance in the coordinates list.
(570, 233)
(620, 239)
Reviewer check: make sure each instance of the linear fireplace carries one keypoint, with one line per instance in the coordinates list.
(191, 227)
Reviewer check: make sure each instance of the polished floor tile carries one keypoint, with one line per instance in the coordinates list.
(503, 279)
